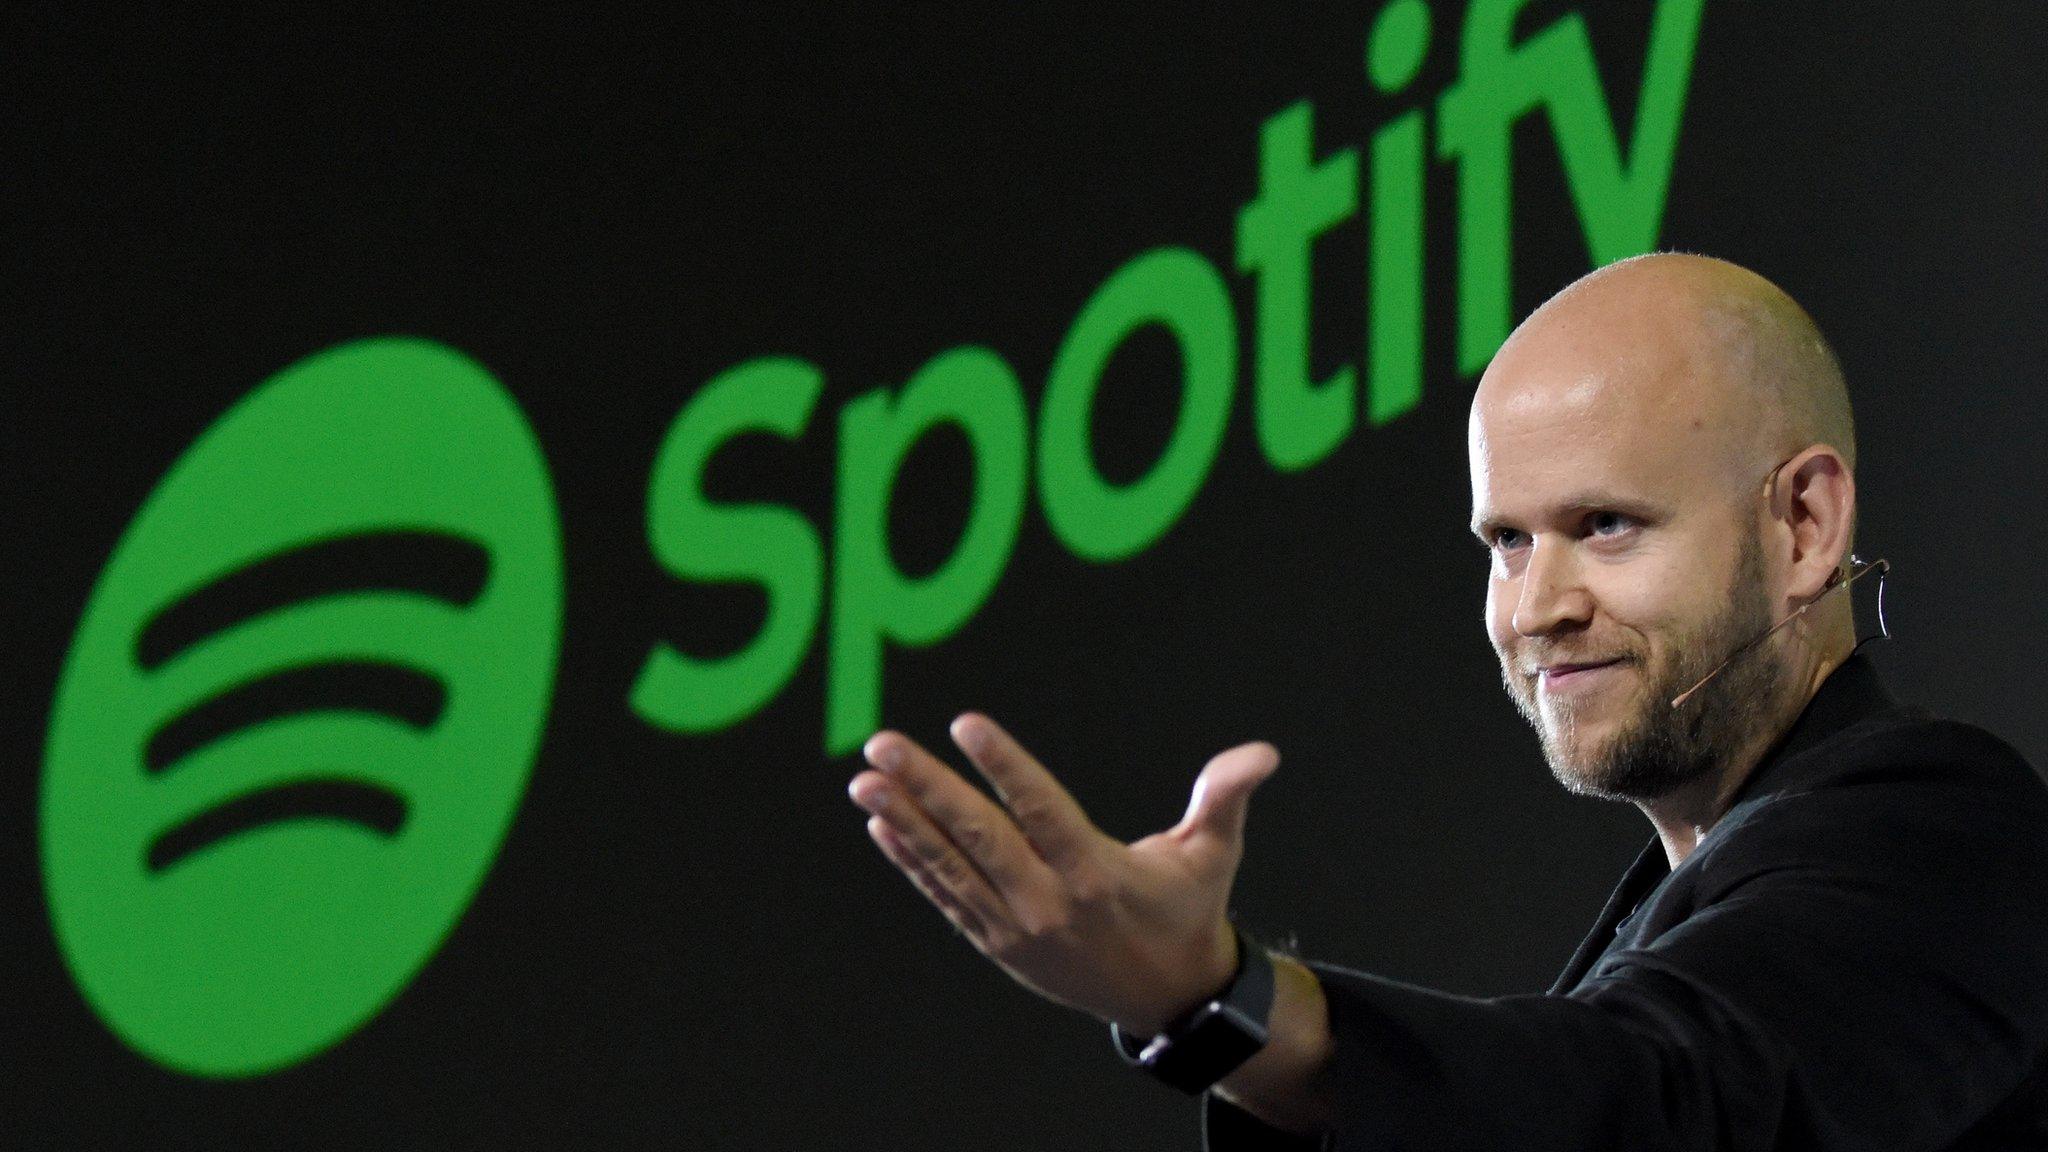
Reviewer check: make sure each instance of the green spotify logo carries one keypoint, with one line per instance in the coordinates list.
(300, 711)
(301, 708)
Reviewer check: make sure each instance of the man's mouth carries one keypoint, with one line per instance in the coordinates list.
(1556, 677)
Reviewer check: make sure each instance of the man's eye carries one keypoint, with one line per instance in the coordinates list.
(1506, 539)
(1607, 523)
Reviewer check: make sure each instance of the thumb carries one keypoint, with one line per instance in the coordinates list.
(1223, 792)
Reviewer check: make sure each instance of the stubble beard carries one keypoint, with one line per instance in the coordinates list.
(1659, 749)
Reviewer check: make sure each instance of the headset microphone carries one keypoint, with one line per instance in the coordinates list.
(1836, 581)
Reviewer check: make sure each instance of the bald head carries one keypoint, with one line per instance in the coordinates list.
(1662, 470)
(1689, 334)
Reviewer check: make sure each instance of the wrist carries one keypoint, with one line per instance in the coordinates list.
(1214, 1037)
(1219, 969)
(1287, 1083)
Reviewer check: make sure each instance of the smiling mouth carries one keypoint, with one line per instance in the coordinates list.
(1558, 675)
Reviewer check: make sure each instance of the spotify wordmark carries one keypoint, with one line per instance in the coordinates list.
(300, 710)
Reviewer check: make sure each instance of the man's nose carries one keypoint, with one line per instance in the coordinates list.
(1552, 595)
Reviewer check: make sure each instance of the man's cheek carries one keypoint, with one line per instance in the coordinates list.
(1499, 622)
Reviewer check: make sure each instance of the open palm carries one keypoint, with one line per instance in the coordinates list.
(1133, 933)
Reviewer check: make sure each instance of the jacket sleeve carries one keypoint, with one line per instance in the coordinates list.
(1866, 968)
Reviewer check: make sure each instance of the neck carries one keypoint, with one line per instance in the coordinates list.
(1684, 816)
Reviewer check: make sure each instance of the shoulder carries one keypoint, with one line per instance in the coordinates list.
(1904, 792)
(1912, 846)
(1911, 744)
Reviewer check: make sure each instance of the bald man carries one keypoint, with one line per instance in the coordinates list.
(1836, 939)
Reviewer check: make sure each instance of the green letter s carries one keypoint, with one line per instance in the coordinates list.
(694, 539)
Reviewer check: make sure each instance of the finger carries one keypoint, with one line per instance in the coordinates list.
(1223, 792)
(975, 824)
(948, 867)
(1050, 819)
(906, 861)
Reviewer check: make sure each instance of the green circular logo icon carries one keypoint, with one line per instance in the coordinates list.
(301, 708)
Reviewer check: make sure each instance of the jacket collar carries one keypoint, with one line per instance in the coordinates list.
(1851, 694)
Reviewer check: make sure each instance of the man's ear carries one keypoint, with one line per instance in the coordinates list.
(1816, 502)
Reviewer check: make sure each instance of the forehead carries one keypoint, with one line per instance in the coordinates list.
(1546, 434)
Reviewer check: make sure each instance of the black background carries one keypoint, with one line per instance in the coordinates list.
(689, 941)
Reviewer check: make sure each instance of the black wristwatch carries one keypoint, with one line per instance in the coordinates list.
(1209, 1041)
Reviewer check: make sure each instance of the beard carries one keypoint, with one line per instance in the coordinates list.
(1658, 749)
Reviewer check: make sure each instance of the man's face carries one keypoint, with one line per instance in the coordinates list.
(1626, 565)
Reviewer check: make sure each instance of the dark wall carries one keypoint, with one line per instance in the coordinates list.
(686, 939)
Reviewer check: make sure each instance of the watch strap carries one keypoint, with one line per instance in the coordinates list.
(1212, 1039)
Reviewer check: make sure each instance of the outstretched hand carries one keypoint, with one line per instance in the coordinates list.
(1133, 933)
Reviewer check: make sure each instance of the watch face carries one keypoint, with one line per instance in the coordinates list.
(1209, 1047)
(1242, 1024)
(1224, 1031)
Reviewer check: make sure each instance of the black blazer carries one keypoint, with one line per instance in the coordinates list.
(1854, 957)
